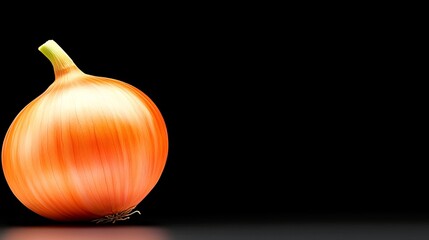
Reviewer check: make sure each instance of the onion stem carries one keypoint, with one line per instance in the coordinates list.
(61, 62)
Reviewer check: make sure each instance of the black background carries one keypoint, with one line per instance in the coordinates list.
(271, 116)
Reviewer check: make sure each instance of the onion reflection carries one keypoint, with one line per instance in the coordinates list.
(84, 233)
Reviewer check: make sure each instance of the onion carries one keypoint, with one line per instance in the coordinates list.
(88, 148)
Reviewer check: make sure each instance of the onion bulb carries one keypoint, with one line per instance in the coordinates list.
(89, 148)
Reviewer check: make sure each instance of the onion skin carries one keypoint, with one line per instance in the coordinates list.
(86, 148)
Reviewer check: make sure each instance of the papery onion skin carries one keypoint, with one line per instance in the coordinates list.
(87, 147)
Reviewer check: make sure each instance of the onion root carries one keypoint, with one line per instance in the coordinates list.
(120, 216)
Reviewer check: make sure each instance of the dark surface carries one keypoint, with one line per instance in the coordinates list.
(317, 230)
(268, 120)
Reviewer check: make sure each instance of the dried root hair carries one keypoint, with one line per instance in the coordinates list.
(120, 216)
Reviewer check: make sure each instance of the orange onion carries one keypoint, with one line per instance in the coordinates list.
(88, 148)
